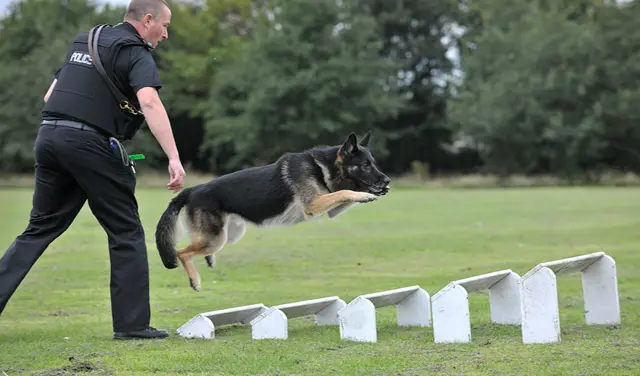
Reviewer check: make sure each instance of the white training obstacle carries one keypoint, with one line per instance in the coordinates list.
(358, 318)
(203, 325)
(450, 306)
(539, 302)
(530, 301)
(273, 323)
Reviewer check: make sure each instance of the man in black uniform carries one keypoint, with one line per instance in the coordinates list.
(79, 158)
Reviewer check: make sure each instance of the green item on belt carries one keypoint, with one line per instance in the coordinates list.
(136, 157)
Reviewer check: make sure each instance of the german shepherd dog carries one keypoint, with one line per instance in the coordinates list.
(297, 187)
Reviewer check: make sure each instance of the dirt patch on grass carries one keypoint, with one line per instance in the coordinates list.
(58, 313)
(172, 311)
(76, 368)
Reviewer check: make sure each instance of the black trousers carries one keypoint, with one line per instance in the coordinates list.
(75, 166)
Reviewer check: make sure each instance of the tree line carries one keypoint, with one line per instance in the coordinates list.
(460, 86)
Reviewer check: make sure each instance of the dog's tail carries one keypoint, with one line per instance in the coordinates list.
(166, 229)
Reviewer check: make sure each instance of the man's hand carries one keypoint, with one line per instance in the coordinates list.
(176, 175)
(158, 121)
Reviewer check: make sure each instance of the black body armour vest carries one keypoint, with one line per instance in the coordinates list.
(81, 94)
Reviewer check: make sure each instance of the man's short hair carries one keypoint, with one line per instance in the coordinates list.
(138, 8)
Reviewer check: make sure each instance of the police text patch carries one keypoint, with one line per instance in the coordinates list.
(81, 58)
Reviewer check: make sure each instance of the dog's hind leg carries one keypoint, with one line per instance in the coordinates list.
(209, 236)
(186, 258)
(211, 260)
(235, 229)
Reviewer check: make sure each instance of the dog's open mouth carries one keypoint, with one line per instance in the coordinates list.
(375, 189)
(379, 190)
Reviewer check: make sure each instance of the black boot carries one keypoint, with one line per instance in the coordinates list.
(149, 333)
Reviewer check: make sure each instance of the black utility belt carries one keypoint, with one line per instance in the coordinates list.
(115, 145)
(71, 124)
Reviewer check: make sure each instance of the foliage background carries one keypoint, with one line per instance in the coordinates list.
(447, 87)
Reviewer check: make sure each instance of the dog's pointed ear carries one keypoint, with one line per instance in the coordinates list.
(365, 139)
(350, 145)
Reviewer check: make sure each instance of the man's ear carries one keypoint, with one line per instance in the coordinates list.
(146, 20)
(350, 145)
(365, 139)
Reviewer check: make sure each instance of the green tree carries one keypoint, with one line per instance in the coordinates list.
(535, 101)
(619, 94)
(311, 75)
(203, 37)
(419, 36)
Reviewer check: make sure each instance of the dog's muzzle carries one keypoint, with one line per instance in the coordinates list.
(379, 191)
(381, 188)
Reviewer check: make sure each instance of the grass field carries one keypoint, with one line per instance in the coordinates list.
(59, 320)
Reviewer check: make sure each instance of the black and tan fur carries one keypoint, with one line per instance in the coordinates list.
(297, 187)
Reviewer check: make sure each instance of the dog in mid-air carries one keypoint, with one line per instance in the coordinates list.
(297, 187)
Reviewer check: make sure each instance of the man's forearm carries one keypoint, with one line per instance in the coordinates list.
(160, 126)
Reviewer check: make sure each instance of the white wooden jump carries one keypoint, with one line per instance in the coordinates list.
(358, 318)
(273, 322)
(203, 325)
(450, 306)
(539, 304)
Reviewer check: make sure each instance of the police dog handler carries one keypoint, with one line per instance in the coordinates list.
(79, 157)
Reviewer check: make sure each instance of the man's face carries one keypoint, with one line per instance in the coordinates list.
(156, 28)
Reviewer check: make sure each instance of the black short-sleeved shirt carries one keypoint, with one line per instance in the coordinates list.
(135, 68)
(139, 65)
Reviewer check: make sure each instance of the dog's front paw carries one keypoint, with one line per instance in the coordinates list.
(364, 197)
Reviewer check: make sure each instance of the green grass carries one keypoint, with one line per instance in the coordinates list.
(60, 316)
